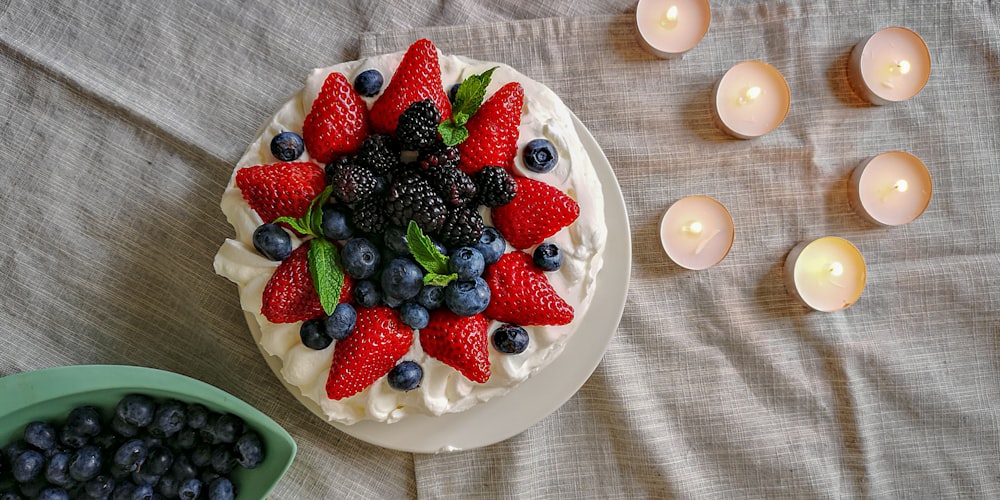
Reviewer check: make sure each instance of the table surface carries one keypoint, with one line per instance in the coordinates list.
(122, 122)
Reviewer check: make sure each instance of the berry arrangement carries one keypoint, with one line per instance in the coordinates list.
(147, 448)
(395, 246)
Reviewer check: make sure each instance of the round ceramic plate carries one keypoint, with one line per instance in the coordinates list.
(542, 394)
(51, 393)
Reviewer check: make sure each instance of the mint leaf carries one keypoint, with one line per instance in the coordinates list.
(452, 134)
(434, 279)
(471, 93)
(327, 276)
(424, 251)
(314, 216)
(296, 224)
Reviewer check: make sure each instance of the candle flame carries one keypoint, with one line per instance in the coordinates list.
(669, 19)
(751, 94)
(896, 68)
(694, 227)
(836, 269)
(901, 185)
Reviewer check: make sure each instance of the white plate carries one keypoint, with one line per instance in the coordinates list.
(503, 417)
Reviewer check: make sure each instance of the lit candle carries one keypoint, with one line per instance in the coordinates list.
(751, 99)
(890, 189)
(890, 66)
(697, 232)
(827, 274)
(669, 28)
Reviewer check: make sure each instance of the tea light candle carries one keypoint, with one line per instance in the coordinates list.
(827, 274)
(751, 99)
(669, 28)
(890, 189)
(697, 232)
(890, 66)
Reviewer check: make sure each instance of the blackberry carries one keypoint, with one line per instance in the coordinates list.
(463, 227)
(379, 153)
(417, 126)
(442, 155)
(351, 182)
(454, 185)
(369, 216)
(495, 186)
(411, 197)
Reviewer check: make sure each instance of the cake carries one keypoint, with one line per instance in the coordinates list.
(477, 150)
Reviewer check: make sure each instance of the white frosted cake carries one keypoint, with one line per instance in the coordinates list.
(452, 359)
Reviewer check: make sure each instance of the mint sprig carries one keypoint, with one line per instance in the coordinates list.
(324, 260)
(428, 256)
(468, 99)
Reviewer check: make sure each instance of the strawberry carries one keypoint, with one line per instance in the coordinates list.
(459, 342)
(417, 77)
(290, 295)
(338, 121)
(521, 294)
(493, 131)
(536, 212)
(281, 188)
(379, 340)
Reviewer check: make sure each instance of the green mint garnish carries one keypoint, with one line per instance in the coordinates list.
(324, 261)
(467, 101)
(424, 251)
(434, 279)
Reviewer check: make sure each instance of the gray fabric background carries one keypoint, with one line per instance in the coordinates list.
(121, 123)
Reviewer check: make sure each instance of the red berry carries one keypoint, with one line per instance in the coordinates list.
(280, 189)
(459, 342)
(520, 293)
(493, 131)
(417, 77)
(537, 212)
(338, 121)
(379, 340)
(290, 295)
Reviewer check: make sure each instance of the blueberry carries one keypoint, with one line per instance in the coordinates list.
(340, 324)
(466, 298)
(185, 439)
(85, 463)
(201, 456)
(136, 409)
(130, 455)
(41, 435)
(168, 419)
(158, 460)
(27, 466)
(223, 460)
(71, 439)
(360, 258)
(402, 279)
(53, 493)
(123, 428)
(190, 489)
(107, 439)
(84, 421)
(366, 293)
(395, 240)
(510, 339)
(272, 241)
(99, 487)
(431, 297)
(249, 450)
(197, 415)
(405, 376)
(313, 335)
(547, 257)
(439, 246)
(453, 91)
(13, 449)
(168, 487)
(287, 146)
(123, 491)
(225, 428)
(414, 315)
(369, 82)
(540, 155)
(142, 492)
(182, 468)
(220, 488)
(57, 470)
(142, 477)
(336, 224)
(491, 245)
(207, 476)
(33, 488)
(467, 263)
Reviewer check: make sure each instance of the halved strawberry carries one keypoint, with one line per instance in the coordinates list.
(281, 188)
(521, 294)
(493, 131)
(417, 77)
(537, 212)
(379, 340)
(290, 295)
(338, 121)
(459, 342)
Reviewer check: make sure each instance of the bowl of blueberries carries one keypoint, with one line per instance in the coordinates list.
(126, 432)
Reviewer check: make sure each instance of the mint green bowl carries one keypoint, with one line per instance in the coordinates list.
(51, 393)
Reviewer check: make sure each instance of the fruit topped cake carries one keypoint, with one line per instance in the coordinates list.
(415, 234)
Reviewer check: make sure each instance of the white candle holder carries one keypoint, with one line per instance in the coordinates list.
(697, 232)
(891, 188)
(751, 99)
(826, 274)
(669, 28)
(889, 66)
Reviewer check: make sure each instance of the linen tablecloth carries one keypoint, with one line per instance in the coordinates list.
(122, 122)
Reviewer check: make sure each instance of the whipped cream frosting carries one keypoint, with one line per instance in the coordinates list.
(443, 389)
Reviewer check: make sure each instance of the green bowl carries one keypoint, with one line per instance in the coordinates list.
(51, 393)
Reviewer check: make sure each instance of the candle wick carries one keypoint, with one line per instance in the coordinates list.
(704, 243)
(669, 19)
